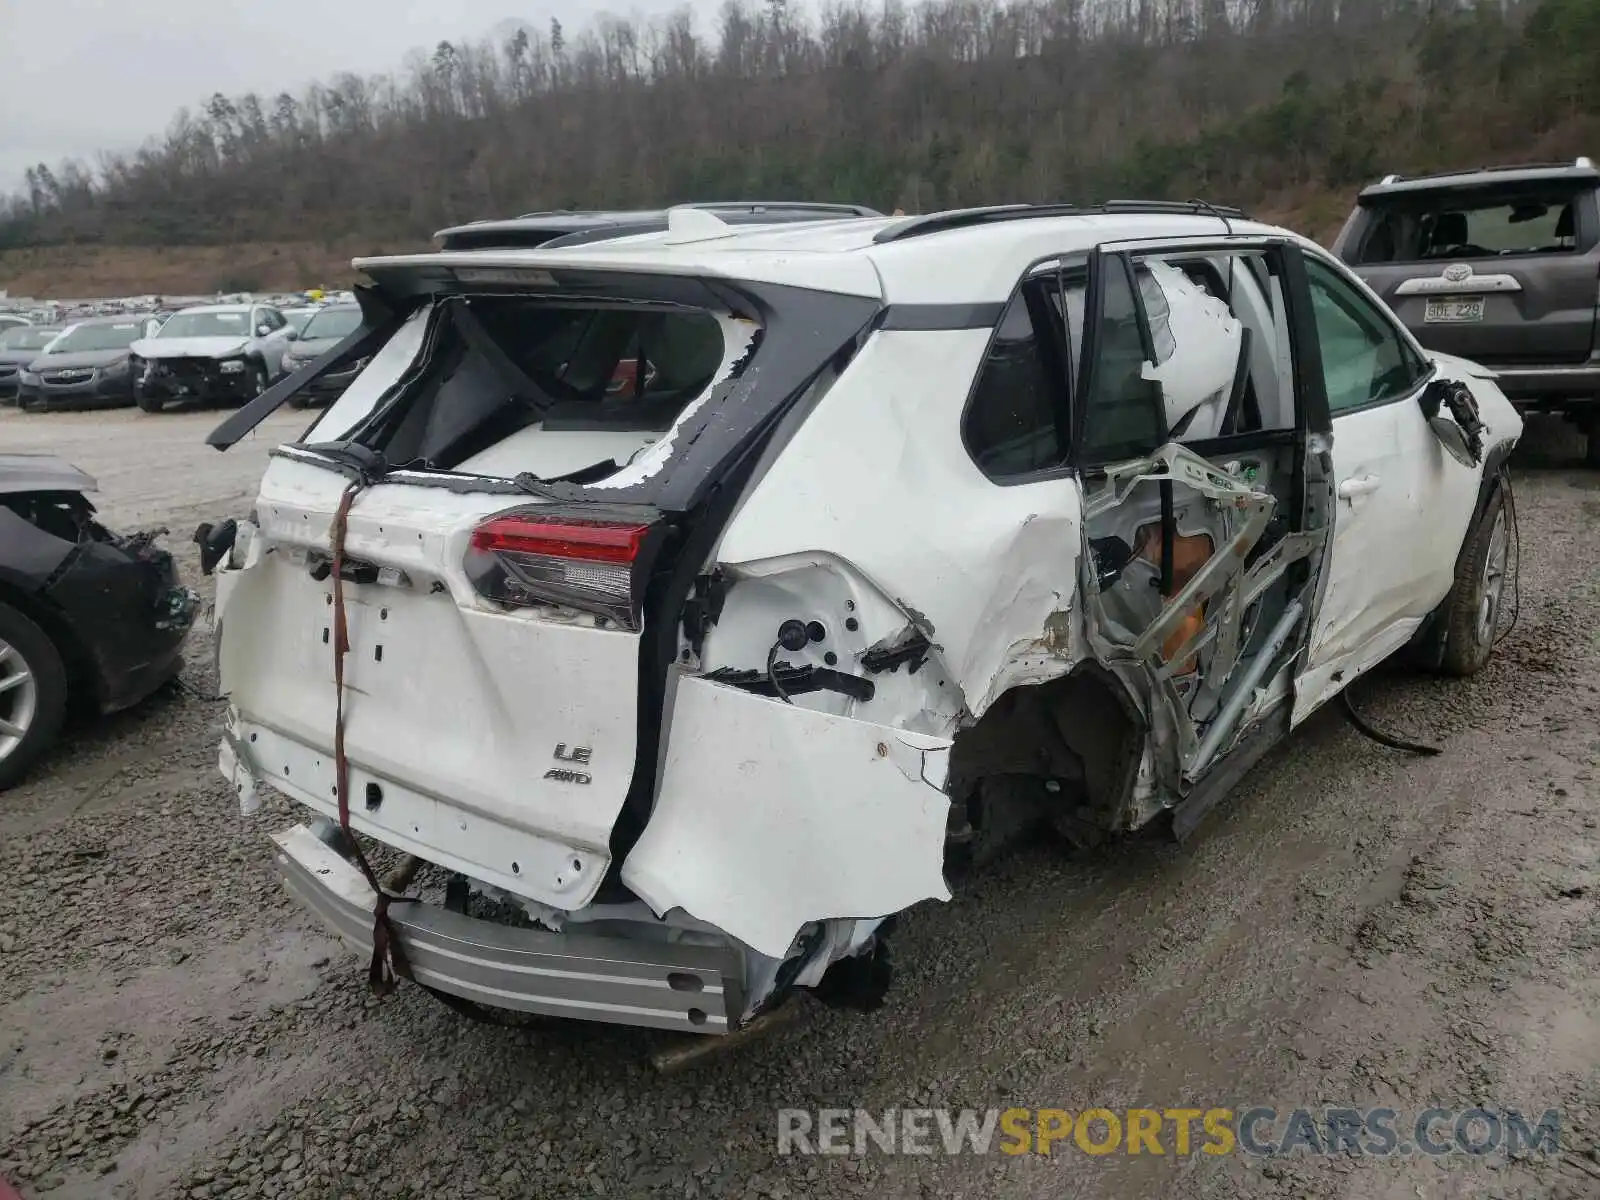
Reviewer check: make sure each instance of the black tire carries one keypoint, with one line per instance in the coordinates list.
(147, 402)
(259, 379)
(1591, 453)
(299, 400)
(32, 646)
(1470, 626)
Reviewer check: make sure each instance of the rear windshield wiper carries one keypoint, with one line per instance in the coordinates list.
(366, 463)
(552, 488)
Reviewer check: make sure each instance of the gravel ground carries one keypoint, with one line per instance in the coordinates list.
(1354, 926)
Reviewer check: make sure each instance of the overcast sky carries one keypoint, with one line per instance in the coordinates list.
(80, 76)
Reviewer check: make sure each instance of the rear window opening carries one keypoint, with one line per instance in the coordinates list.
(512, 385)
(1455, 224)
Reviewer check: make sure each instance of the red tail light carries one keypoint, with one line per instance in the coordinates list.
(536, 556)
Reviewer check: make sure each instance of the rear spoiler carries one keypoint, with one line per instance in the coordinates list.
(379, 320)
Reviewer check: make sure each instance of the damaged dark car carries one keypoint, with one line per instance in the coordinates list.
(90, 620)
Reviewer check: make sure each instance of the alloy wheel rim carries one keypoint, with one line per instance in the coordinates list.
(19, 698)
(1492, 586)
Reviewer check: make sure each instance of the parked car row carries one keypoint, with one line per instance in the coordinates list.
(218, 353)
(88, 364)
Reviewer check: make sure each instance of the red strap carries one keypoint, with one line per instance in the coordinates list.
(388, 956)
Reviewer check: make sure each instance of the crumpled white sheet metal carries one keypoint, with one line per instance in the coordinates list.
(744, 840)
(981, 569)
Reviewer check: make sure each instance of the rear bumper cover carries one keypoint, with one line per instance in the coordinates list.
(694, 989)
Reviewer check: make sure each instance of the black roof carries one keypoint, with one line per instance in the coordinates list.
(568, 228)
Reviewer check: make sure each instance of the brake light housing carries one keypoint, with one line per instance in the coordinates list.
(589, 559)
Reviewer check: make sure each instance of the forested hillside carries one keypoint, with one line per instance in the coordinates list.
(1278, 103)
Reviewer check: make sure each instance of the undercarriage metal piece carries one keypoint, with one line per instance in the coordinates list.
(693, 1051)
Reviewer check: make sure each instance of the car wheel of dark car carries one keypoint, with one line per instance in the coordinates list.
(146, 401)
(1471, 612)
(33, 694)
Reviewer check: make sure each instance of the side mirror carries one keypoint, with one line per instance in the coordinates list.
(292, 335)
(1460, 433)
(1453, 440)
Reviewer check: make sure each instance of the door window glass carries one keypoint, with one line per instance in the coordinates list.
(1364, 359)
(1122, 414)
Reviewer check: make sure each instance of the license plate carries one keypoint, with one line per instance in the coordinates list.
(1453, 312)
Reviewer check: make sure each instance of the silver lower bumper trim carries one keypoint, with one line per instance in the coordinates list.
(662, 985)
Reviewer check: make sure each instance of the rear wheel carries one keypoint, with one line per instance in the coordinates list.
(33, 694)
(1471, 611)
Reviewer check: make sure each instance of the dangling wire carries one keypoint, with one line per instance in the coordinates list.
(1516, 554)
(1377, 735)
(772, 672)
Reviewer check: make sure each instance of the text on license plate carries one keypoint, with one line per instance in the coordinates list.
(1445, 312)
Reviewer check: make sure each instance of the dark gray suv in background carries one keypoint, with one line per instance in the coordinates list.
(1499, 265)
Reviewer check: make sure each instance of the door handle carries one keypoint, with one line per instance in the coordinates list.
(1360, 485)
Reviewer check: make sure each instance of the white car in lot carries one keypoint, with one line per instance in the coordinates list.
(227, 352)
(917, 531)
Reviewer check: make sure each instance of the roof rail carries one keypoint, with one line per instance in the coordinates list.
(963, 218)
(844, 210)
(1583, 164)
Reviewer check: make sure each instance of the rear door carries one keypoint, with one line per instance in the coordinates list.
(1504, 276)
(1188, 442)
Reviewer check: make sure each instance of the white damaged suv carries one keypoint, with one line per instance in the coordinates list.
(900, 535)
